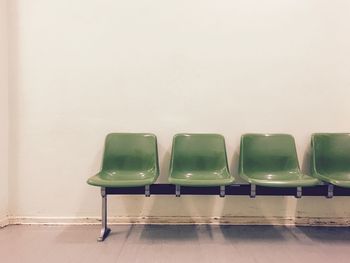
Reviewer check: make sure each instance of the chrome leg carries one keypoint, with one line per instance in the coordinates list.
(147, 191)
(252, 190)
(105, 230)
(299, 192)
(330, 191)
(222, 191)
(177, 190)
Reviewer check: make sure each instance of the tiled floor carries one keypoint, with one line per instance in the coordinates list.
(180, 243)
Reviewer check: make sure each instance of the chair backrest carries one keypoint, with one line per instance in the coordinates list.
(130, 151)
(331, 152)
(198, 152)
(268, 153)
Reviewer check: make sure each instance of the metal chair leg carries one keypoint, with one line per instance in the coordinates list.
(252, 191)
(177, 190)
(330, 190)
(222, 190)
(147, 191)
(105, 230)
(299, 192)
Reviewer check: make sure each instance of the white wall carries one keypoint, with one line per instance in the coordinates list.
(3, 114)
(81, 69)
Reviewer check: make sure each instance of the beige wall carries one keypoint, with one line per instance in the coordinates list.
(81, 69)
(3, 114)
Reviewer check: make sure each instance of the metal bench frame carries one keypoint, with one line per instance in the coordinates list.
(325, 190)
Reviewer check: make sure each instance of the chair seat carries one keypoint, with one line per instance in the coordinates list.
(201, 178)
(280, 179)
(331, 158)
(271, 160)
(129, 159)
(199, 160)
(115, 178)
(341, 179)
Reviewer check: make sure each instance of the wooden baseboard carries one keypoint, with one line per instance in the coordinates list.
(4, 222)
(300, 221)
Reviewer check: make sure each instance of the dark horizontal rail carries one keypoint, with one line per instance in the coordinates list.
(239, 189)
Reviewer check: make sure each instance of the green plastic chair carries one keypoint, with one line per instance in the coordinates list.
(330, 160)
(130, 159)
(199, 160)
(271, 160)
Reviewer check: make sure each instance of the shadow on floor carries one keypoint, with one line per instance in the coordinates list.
(169, 232)
(229, 232)
(326, 234)
(232, 233)
(238, 233)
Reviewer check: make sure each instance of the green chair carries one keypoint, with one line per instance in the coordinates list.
(199, 160)
(271, 160)
(330, 160)
(129, 160)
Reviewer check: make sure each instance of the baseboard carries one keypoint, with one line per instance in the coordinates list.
(4, 222)
(299, 221)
